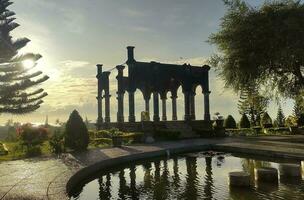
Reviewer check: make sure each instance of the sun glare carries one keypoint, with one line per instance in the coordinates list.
(28, 63)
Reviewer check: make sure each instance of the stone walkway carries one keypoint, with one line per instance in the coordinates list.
(46, 178)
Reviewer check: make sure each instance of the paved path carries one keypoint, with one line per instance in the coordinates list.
(46, 178)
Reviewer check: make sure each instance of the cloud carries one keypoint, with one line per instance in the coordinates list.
(132, 13)
(73, 64)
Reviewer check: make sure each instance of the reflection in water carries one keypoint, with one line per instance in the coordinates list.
(187, 178)
(208, 189)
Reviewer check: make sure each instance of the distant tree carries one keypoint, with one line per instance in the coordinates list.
(262, 45)
(280, 121)
(298, 107)
(252, 104)
(15, 76)
(300, 120)
(76, 132)
(266, 120)
(229, 122)
(244, 122)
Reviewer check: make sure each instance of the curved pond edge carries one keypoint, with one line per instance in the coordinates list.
(83, 174)
(88, 171)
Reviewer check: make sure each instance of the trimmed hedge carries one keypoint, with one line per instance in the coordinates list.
(229, 122)
(244, 123)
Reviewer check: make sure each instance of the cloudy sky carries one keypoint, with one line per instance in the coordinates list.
(74, 35)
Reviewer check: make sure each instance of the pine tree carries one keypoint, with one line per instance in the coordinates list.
(16, 78)
(280, 117)
(252, 104)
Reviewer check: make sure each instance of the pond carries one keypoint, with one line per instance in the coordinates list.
(190, 176)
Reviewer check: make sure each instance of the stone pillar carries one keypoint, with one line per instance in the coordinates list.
(147, 105)
(206, 106)
(164, 109)
(187, 106)
(156, 107)
(120, 111)
(192, 107)
(107, 108)
(107, 96)
(131, 107)
(99, 96)
(174, 109)
(120, 94)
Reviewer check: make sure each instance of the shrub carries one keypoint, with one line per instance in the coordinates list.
(31, 137)
(291, 121)
(103, 134)
(76, 132)
(266, 121)
(114, 132)
(163, 134)
(300, 120)
(57, 143)
(133, 137)
(244, 123)
(102, 141)
(229, 122)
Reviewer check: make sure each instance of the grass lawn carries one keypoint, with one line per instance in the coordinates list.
(15, 151)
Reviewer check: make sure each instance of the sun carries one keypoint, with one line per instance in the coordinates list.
(28, 63)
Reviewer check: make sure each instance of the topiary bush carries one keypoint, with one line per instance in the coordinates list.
(76, 132)
(56, 143)
(244, 123)
(229, 122)
(266, 121)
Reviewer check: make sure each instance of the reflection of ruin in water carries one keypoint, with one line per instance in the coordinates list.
(190, 177)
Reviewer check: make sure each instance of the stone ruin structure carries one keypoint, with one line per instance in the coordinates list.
(155, 81)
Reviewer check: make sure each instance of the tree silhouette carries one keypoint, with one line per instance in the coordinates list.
(16, 76)
(252, 104)
(280, 117)
(262, 45)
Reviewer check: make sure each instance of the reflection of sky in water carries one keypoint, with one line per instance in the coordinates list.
(187, 178)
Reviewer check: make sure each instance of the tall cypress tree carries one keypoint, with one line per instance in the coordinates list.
(16, 76)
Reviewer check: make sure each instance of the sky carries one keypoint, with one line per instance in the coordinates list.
(75, 35)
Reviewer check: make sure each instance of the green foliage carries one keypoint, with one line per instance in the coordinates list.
(164, 134)
(102, 142)
(133, 137)
(291, 121)
(261, 45)
(114, 132)
(298, 108)
(16, 79)
(266, 120)
(56, 143)
(280, 121)
(244, 122)
(31, 137)
(229, 122)
(252, 104)
(300, 120)
(3, 151)
(103, 134)
(76, 132)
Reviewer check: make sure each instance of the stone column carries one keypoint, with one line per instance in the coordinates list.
(147, 105)
(107, 96)
(107, 108)
(164, 109)
(99, 96)
(120, 111)
(131, 107)
(187, 106)
(192, 107)
(120, 94)
(156, 107)
(99, 107)
(174, 111)
(206, 106)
